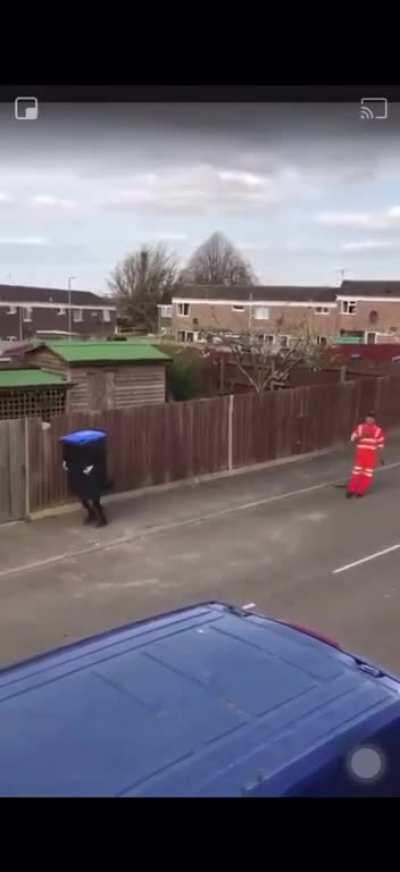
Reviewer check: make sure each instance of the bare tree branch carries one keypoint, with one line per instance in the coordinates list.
(218, 262)
(141, 281)
(265, 368)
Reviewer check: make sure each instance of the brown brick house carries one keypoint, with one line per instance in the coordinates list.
(270, 309)
(369, 311)
(105, 375)
(26, 312)
(369, 308)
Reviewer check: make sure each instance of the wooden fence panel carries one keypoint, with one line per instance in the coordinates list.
(309, 418)
(147, 445)
(12, 470)
(151, 445)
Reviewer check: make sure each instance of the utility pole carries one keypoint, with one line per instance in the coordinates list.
(70, 279)
(250, 312)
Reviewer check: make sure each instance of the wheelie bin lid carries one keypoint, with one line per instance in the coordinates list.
(82, 437)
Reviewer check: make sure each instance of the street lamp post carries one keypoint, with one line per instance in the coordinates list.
(70, 279)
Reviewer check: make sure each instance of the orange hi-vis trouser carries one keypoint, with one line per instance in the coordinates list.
(370, 441)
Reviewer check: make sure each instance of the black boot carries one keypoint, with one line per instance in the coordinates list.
(90, 516)
(101, 518)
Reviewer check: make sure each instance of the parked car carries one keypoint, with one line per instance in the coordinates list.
(210, 700)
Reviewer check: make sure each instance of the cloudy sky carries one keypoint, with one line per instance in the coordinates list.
(303, 190)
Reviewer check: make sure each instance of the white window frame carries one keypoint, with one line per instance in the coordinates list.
(286, 337)
(77, 316)
(166, 311)
(237, 308)
(12, 310)
(345, 307)
(107, 316)
(62, 311)
(259, 313)
(27, 313)
(322, 310)
(180, 335)
(181, 310)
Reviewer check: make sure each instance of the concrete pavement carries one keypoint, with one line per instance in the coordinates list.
(275, 537)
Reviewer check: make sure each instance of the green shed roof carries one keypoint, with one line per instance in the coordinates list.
(29, 378)
(107, 352)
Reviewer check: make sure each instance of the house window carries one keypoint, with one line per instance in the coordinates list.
(237, 308)
(269, 339)
(62, 310)
(27, 313)
(349, 307)
(322, 340)
(371, 338)
(373, 317)
(261, 313)
(184, 309)
(322, 310)
(166, 311)
(106, 316)
(77, 315)
(181, 335)
(189, 336)
(12, 310)
(284, 341)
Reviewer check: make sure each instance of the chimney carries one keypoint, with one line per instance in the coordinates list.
(144, 260)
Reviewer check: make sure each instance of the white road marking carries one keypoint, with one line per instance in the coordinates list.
(164, 528)
(366, 559)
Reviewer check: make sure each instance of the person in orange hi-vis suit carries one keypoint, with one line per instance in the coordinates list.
(370, 440)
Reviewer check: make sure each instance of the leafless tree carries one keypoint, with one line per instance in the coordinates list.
(218, 262)
(266, 367)
(141, 281)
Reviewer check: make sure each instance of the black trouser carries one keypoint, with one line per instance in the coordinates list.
(94, 509)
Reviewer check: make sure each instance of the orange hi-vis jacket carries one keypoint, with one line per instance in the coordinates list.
(370, 439)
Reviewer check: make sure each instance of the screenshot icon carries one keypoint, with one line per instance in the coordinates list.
(26, 108)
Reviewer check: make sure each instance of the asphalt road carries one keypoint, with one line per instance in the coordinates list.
(284, 538)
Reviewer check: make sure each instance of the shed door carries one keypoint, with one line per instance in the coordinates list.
(100, 390)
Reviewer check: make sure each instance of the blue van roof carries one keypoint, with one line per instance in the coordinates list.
(206, 701)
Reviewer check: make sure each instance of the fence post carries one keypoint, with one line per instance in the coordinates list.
(230, 432)
(378, 395)
(222, 375)
(27, 469)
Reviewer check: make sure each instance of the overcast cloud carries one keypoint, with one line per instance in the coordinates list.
(304, 191)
